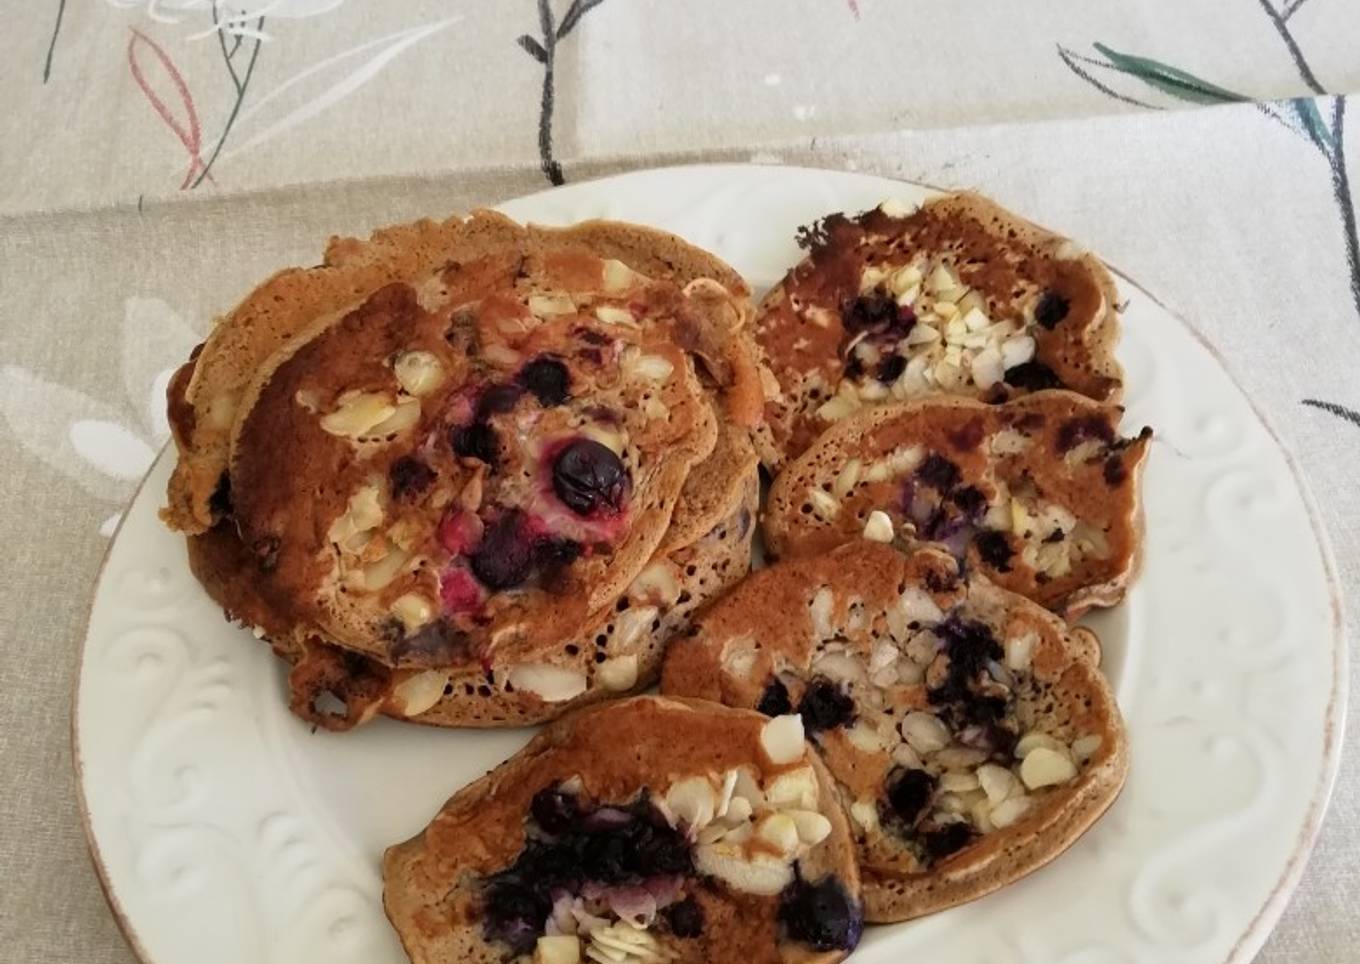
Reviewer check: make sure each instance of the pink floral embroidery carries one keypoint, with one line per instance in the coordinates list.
(187, 129)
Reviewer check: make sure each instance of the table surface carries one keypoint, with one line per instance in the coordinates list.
(161, 156)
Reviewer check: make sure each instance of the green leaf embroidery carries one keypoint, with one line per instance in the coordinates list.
(1306, 109)
(1170, 80)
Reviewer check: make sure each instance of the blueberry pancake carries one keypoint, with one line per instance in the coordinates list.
(706, 835)
(958, 296)
(1040, 494)
(210, 391)
(706, 549)
(970, 734)
(481, 458)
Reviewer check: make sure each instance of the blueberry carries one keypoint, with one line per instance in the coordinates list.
(1051, 309)
(878, 310)
(547, 379)
(553, 810)
(890, 368)
(995, 549)
(588, 477)
(505, 557)
(824, 706)
(775, 700)
(409, 476)
(822, 915)
(938, 472)
(971, 500)
(1032, 376)
(686, 918)
(909, 794)
(1074, 431)
(497, 400)
(477, 441)
(949, 839)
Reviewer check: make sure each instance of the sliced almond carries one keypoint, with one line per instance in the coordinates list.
(380, 573)
(847, 478)
(1008, 811)
(618, 673)
(924, 732)
(413, 609)
(613, 315)
(416, 694)
(558, 949)
(552, 684)
(812, 827)
(793, 790)
(356, 413)
(997, 782)
(879, 527)
(782, 739)
(418, 372)
(548, 306)
(692, 801)
(779, 831)
(657, 584)
(1083, 748)
(1043, 767)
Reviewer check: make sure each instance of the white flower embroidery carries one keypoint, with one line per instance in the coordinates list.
(104, 448)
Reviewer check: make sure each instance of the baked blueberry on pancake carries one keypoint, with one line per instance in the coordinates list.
(958, 296)
(969, 732)
(707, 836)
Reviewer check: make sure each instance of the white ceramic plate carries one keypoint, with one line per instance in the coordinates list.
(226, 831)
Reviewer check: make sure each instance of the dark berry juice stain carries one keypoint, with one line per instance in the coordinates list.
(570, 846)
(1074, 431)
(949, 839)
(909, 794)
(825, 706)
(1032, 376)
(409, 477)
(890, 368)
(775, 700)
(548, 380)
(938, 472)
(1051, 309)
(476, 441)
(685, 918)
(822, 915)
(995, 549)
(505, 556)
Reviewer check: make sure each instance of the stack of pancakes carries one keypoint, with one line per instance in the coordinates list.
(479, 474)
(471, 473)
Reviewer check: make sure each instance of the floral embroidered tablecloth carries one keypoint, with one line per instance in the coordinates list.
(162, 155)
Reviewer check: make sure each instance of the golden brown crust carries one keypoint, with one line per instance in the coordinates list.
(820, 338)
(839, 615)
(430, 881)
(1041, 492)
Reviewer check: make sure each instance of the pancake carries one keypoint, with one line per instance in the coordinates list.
(958, 296)
(483, 457)
(1040, 494)
(708, 836)
(970, 733)
(618, 651)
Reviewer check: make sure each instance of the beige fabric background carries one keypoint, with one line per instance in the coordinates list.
(359, 114)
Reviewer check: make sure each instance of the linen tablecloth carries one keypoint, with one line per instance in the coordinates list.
(161, 156)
